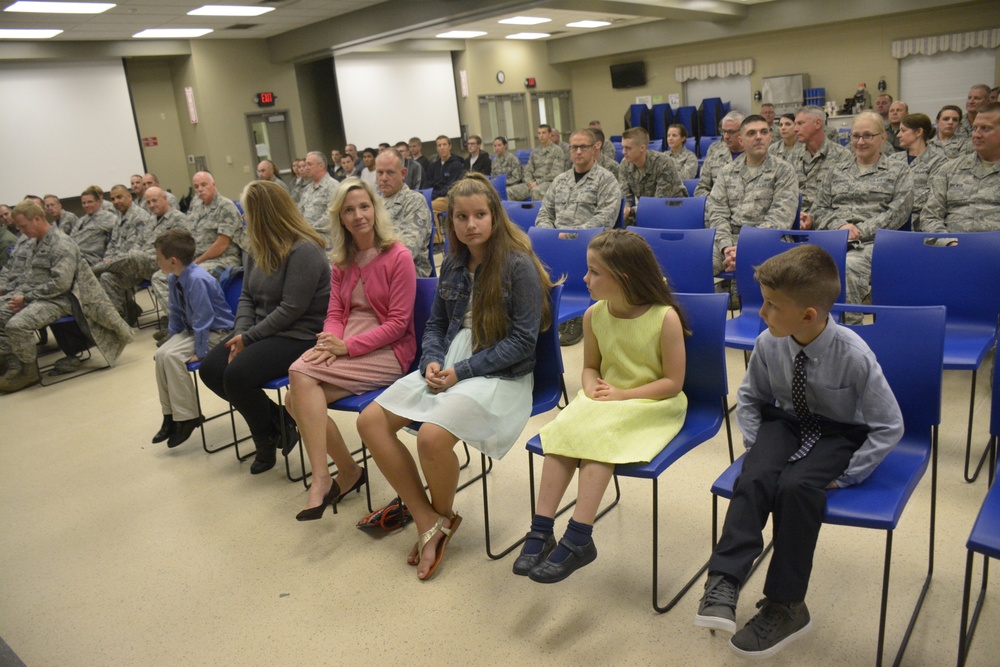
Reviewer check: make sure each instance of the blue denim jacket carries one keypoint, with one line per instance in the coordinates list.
(512, 356)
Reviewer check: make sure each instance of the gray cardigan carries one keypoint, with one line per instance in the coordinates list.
(291, 302)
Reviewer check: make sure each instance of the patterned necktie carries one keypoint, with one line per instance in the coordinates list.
(808, 423)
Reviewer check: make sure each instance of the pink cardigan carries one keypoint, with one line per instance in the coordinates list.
(390, 284)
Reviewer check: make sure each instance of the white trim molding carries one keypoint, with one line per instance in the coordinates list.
(709, 70)
(956, 42)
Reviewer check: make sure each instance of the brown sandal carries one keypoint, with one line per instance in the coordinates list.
(427, 536)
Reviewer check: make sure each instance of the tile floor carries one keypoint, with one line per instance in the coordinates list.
(118, 552)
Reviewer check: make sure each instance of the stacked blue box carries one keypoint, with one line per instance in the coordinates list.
(815, 96)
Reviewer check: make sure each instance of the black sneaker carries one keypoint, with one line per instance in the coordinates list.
(571, 331)
(775, 626)
(717, 609)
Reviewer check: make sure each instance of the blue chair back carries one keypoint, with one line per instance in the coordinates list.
(691, 143)
(685, 257)
(711, 114)
(428, 194)
(548, 362)
(620, 220)
(522, 213)
(995, 405)
(523, 156)
(671, 213)
(231, 282)
(426, 287)
(566, 257)
(688, 117)
(500, 183)
(705, 380)
(690, 184)
(619, 153)
(656, 145)
(663, 116)
(639, 116)
(704, 143)
(964, 277)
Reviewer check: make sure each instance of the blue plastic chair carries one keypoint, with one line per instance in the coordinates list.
(691, 183)
(656, 145)
(985, 536)
(685, 257)
(671, 212)
(522, 213)
(914, 373)
(704, 143)
(500, 183)
(965, 278)
(688, 117)
(566, 257)
(757, 245)
(523, 155)
(691, 143)
(428, 194)
(706, 387)
(619, 153)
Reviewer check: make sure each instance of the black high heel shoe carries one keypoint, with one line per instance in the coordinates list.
(355, 487)
(314, 513)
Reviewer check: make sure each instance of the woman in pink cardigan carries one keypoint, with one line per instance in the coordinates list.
(367, 341)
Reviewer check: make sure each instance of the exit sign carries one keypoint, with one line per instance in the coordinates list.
(265, 99)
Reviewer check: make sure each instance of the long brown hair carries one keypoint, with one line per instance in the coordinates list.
(274, 224)
(489, 319)
(633, 266)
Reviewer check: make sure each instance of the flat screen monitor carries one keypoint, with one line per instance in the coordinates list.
(628, 75)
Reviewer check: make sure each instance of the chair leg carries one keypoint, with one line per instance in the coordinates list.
(201, 427)
(656, 560)
(968, 628)
(968, 438)
(729, 428)
(565, 394)
(486, 514)
(486, 469)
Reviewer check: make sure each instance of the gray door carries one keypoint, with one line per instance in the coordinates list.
(506, 116)
(553, 109)
(270, 139)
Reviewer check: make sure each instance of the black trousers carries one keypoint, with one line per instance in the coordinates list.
(240, 382)
(795, 493)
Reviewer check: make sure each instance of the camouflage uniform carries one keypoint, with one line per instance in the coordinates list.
(48, 266)
(297, 188)
(779, 149)
(922, 169)
(66, 221)
(207, 222)
(172, 218)
(685, 162)
(510, 165)
(17, 263)
(954, 147)
(315, 204)
(594, 201)
(91, 233)
(874, 197)
(545, 163)
(411, 218)
(126, 262)
(279, 181)
(766, 196)
(611, 165)
(717, 157)
(608, 149)
(812, 169)
(414, 174)
(7, 242)
(964, 197)
(964, 129)
(658, 178)
(567, 159)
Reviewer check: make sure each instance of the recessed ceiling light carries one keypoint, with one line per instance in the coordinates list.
(22, 33)
(60, 7)
(529, 35)
(588, 24)
(172, 33)
(524, 20)
(229, 10)
(461, 34)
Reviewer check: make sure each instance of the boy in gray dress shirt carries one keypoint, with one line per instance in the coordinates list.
(816, 413)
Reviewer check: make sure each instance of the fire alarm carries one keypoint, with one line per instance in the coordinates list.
(530, 82)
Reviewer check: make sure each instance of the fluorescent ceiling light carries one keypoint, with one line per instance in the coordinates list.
(172, 33)
(524, 20)
(588, 24)
(461, 34)
(529, 35)
(229, 10)
(60, 7)
(21, 33)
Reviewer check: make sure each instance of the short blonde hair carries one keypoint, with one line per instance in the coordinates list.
(343, 246)
(806, 273)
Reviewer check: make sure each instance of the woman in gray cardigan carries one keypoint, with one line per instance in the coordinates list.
(286, 288)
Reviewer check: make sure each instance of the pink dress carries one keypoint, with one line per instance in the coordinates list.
(375, 370)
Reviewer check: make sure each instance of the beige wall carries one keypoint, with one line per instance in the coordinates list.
(518, 60)
(836, 57)
(156, 112)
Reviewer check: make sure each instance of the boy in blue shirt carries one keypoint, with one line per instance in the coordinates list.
(816, 413)
(200, 319)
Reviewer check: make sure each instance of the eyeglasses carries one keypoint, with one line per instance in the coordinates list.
(729, 133)
(581, 147)
(867, 137)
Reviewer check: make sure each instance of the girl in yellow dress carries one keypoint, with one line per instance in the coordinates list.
(631, 404)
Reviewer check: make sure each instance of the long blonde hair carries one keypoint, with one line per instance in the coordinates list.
(489, 319)
(344, 247)
(274, 224)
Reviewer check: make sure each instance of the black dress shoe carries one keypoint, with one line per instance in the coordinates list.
(525, 562)
(263, 461)
(183, 431)
(166, 429)
(548, 572)
(291, 436)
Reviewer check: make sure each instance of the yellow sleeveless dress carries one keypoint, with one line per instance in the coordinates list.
(632, 431)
